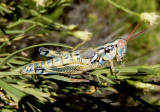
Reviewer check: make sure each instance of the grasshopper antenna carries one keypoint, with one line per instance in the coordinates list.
(129, 37)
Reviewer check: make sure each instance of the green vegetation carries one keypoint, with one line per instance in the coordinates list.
(26, 25)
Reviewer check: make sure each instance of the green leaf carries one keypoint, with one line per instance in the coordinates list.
(35, 92)
(11, 31)
(14, 23)
(13, 92)
(149, 70)
(59, 77)
(6, 110)
(13, 61)
(22, 58)
(111, 89)
(19, 96)
(9, 73)
(5, 9)
(67, 79)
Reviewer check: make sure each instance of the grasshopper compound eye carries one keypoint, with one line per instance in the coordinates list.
(121, 43)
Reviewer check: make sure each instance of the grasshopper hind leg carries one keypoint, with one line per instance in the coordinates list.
(42, 71)
(46, 52)
(43, 51)
(39, 70)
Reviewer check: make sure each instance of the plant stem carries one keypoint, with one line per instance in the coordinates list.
(78, 45)
(122, 8)
(23, 32)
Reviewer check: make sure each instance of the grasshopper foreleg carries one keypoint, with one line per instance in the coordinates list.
(112, 68)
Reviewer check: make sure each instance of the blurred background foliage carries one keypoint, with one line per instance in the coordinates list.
(30, 22)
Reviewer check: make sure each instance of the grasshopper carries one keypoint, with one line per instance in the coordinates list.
(77, 62)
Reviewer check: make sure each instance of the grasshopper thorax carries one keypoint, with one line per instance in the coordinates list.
(112, 50)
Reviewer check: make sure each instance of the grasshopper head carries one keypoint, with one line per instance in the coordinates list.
(121, 49)
(121, 44)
